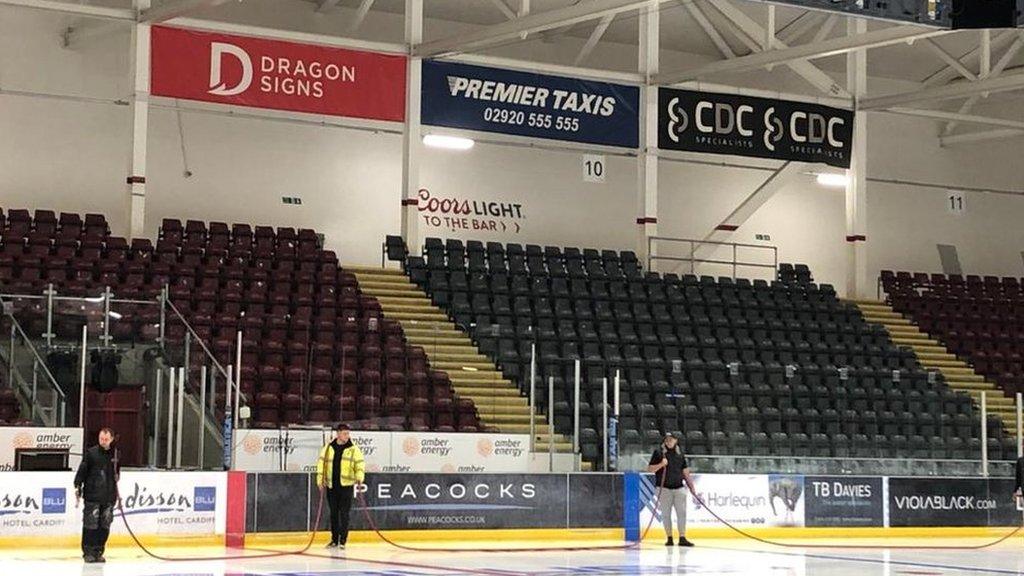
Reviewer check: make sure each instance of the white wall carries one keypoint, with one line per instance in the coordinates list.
(558, 207)
(73, 156)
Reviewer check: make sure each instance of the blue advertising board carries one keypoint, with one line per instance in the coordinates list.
(528, 104)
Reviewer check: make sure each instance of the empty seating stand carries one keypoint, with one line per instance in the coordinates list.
(737, 367)
(978, 318)
(315, 349)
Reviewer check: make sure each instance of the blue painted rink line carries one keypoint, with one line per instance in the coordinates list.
(713, 557)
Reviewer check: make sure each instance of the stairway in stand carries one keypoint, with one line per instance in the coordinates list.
(450, 349)
(934, 356)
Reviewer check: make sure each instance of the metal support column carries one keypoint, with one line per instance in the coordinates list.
(576, 449)
(533, 398)
(856, 187)
(551, 423)
(50, 293)
(237, 375)
(180, 412)
(81, 376)
(648, 63)
(984, 435)
(604, 421)
(107, 294)
(202, 417)
(155, 444)
(411, 145)
(172, 389)
(136, 180)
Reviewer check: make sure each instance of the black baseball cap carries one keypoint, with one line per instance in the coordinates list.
(342, 426)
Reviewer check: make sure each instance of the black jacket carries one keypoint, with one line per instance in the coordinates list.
(96, 477)
(674, 471)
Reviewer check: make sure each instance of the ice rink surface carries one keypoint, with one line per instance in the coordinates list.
(710, 557)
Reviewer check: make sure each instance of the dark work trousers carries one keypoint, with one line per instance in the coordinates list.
(340, 501)
(96, 520)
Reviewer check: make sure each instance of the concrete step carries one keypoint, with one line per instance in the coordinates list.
(430, 326)
(459, 357)
(502, 420)
(413, 298)
(963, 374)
(398, 311)
(940, 364)
(929, 349)
(456, 349)
(972, 386)
(372, 284)
(888, 318)
(463, 377)
(905, 331)
(524, 428)
(916, 341)
(498, 391)
(418, 315)
(495, 401)
(356, 269)
(466, 366)
(935, 356)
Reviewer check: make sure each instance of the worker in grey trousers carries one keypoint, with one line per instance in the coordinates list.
(671, 471)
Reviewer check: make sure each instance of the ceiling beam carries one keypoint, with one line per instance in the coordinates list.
(750, 33)
(972, 137)
(326, 5)
(595, 37)
(531, 23)
(800, 26)
(74, 9)
(950, 60)
(957, 90)
(504, 9)
(970, 59)
(357, 21)
(709, 28)
(1001, 65)
(954, 116)
(875, 39)
(174, 8)
(826, 28)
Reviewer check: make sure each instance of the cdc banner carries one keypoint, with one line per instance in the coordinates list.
(760, 127)
(528, 104)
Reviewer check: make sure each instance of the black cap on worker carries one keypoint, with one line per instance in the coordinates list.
(342, 426)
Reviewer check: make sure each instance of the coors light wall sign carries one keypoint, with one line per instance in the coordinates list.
(746, 126)
(262, 73)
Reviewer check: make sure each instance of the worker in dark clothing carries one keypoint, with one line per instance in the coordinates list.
(96, 483)
(672, 471)
(340, 467)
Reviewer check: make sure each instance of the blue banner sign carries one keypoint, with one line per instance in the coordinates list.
(527, 104)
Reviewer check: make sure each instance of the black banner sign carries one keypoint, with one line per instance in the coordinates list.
(952, 502)
(760, 127)
(843, 501)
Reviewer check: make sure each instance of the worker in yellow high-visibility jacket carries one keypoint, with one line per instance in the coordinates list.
(340, 467)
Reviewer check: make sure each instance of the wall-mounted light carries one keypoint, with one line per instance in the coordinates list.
(832, 179)
(447, 142)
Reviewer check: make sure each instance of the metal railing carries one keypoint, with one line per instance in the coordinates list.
(691, 256)
(56, 413)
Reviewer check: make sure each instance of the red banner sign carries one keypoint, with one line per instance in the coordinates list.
(261, 73)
